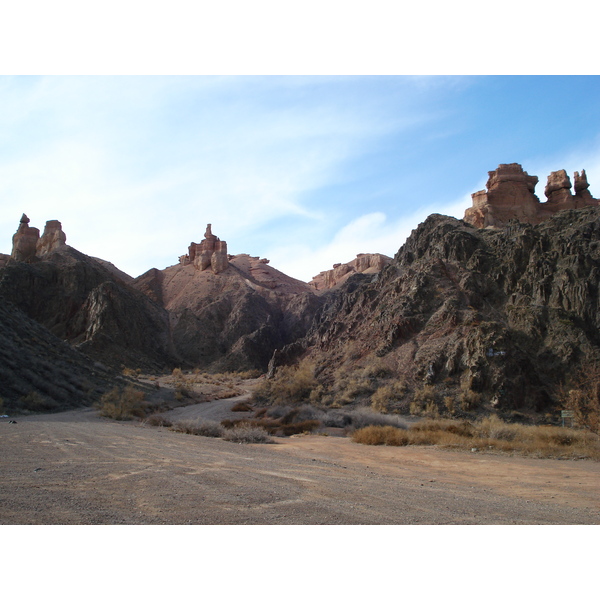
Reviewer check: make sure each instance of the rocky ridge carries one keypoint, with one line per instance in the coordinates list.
(231, 316)
(504, 314)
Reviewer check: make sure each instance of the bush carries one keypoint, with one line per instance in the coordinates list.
(582, 396)
(386, 395)
(35, 402)
(378, 435)
(158, 421)
(469, 400)
(491, 433)
(300, 427)
(247, 434)
(123, 404)
(241, 407)
(363, 417)
(199, 427)
(291, 385)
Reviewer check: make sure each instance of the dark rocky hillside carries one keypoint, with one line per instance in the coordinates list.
(498, 316)
(38, 371)
(234, 319)
(80, 301)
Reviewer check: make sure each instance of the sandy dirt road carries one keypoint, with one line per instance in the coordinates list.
(77, 468)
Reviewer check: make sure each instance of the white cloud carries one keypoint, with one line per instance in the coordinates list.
(370, 233)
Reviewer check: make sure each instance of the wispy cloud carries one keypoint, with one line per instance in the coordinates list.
(152, 160)
(308, 171)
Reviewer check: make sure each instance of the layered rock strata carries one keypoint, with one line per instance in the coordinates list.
(210, 252)
(363, 263)
(510, 194)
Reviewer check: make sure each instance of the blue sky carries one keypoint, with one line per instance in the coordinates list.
(304, 170)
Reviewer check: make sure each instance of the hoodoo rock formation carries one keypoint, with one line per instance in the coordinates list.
(27, 244)
(210, 252)
(52, 239)
(363, 263)
(510, 195)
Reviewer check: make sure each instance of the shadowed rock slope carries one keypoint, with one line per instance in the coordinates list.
(81, 301)
(38, 371)
(233, 319)
(503, 314)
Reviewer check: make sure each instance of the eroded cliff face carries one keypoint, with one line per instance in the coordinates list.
(505, 313)
(84, 301)
(510, 195)
(234, 318)
(363, 263)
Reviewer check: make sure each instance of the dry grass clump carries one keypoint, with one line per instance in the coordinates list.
(378, 435)
(491, 433)
(123, 404)
(158, 420)
(241, 406)
(201, 427)
(386, 395)
(424, 402)
(245, 433)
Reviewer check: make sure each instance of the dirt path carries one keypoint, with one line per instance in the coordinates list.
(76, 468)
(216, 410)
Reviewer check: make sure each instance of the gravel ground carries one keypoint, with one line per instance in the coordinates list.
(78, 468)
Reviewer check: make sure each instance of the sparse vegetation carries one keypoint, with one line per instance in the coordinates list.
(242, 406)
(582, 396)
(291, 385)
(36, 402)
(491, 433)
(123, 404)
(158, 420)
(381, 435)
(245, 433)
(201, 427)
(386, 396)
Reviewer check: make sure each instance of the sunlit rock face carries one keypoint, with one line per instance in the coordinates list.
(210, 252)
(510, 194)
(28, 245)
(363, 263)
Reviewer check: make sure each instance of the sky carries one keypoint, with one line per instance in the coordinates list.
(306, 171)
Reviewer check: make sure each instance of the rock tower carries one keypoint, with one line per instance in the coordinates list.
(510, 195)
(210, 252)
